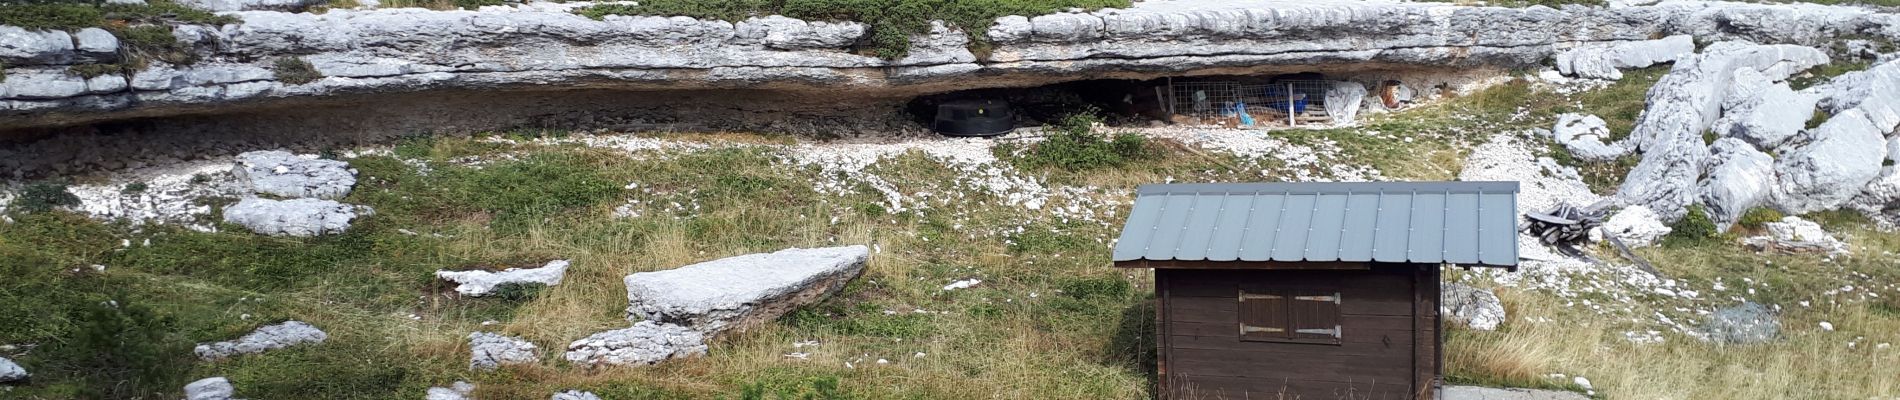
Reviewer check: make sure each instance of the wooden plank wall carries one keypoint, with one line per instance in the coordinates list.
(1202, 355)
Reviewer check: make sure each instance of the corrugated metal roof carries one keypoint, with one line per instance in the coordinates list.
(1472, 223)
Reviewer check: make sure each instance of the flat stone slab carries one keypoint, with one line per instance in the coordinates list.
(736, 293)
(268, 337)
(645, 343)
(282, 173)
(479, 283)
(1485, 393)
(488, 351)
(295, 217)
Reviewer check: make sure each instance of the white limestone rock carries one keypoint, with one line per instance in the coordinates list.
(1833, 166)
(1489, 393)
(1746, 323)
(215, 388)
(268, 337)
(249, 5)
(1475, 308)
(96, 44)
(1343, 100)
(35, 83)
(19, 46)
(282, 173)
(1739, 179)
(1584, 136)
(480, 283)
(456, 391)
(783, 33)
(645, 343)
(736, 293)
(488, 351)
(11, 372)
(1795, 235)
(1683, 105)
(1767, 116)
(294, 217)
(1602, 61)
(575, 395)
(1636, 226)
(1880, 200)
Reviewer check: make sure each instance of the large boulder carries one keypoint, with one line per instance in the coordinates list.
(737, 293)
(1683, 105)
(215, 388)
(488, 351)
(1585, 137)
(1880, 200)
(1834, 165)
(11, 372)
(281, 173)
(478, 283)
(1739, 178)
(294, 217)
(645, 343)
(1475, 308)
(1746, 323)
(268, 337)
(1602, 60)
(1795, 235)
(1636, 226)
(1767, 116)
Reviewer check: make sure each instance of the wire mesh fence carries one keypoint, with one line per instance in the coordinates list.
(1235, 103)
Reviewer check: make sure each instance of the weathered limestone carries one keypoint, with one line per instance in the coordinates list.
(479, 283)
(488, 351)
(250, 5)
(1604, 60)
(645, 343)
(1636, 226)
(1476, 308)
(268, 337)
(1795, 235)
(29, 47)
(1739, 178)
(97, 45)
(1746, 323)
(575, 395)
(1767, 115)
(1838, 160)
(457, 391)
(1584, 135)
(737, 293)
(12, 372)
(1683, 105)
(215, 388)
(282, 173)
(294, 217)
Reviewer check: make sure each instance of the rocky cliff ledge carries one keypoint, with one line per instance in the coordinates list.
(542, 53)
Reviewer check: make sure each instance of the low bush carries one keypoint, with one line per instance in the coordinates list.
(295, 71)
(153, 42)
(890, 22)
(1694, 228)
(74, 15)
(1756, 217)
(90, 71)
(44, 196)
(1074, 146)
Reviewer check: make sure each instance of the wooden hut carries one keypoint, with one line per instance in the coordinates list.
(1309, 290)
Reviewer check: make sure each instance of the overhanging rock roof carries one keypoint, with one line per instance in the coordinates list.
(1471, 223)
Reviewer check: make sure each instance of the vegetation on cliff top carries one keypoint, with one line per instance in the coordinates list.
(890, 22)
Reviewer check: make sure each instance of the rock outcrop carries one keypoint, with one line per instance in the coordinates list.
(1636, 226)
(215, 388)
(645, 343)
(1475, 308)
(280, 173)
(1739, 179)
(294, 217)
(736, 293)
(1795, 235)
(1835, 162)
(1585, 137)
(1762, 112)
(488, 351)
(480, 283)
(268, 337)
(1605, 60)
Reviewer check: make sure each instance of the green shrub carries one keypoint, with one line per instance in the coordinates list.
(890, 22)
(153, 42)
(74, 15)
(518, 291)
(44, 196)
(1756, 217)
(1694, 228)
(64, 16)
(90, 71)
(1074, 146)
(295, 71)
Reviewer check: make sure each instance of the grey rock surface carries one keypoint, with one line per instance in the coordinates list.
(1585, 137)
(1795, 235)
(282, 173)
(1739, 179)
(488, 351)
(1746, 323)
(268, 337)
(215, 388)
(479, 283)
(1880, 200)
(1475, 308)
(1636, 226)
(1683, 105)
(645, 343)
(1343, 101)
(1605, 60)
(11, 372)
(96, 45)
(250, 5)
(736, 293)
(1838, 160)
(295, 217)
(1486, 393)
(19, 46)
(456, 391)
(1766, 116)
(575, 395)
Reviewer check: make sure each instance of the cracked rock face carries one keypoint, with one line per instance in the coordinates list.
(479, 283)
(1476, 308)
(284, 174)
(736, 293)
(1584, 135)
(488, 351)
(1764, 113)
(268, 337)
(1605, 60)
(294, 217)
(216, 388)
(645, 343)
(1795, 235)
(1837, 161)
(11, 372)
(1636, 226)
(1739, 178)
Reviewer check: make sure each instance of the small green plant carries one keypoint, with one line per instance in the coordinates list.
(1756, 217)
(1817, 119)
(74, 15)
(90, 71)
(1695, 228)
(891, 22)
(295, 71)
(518, 291)
(153, 42)
(1074, 146)
(44, 196)
(135, 187)
(1824, 73)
